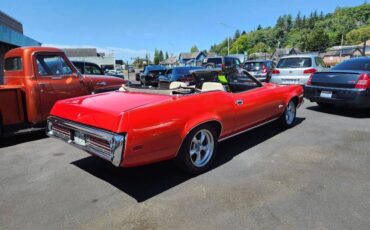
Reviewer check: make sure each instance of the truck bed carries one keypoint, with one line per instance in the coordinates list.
(11, 106)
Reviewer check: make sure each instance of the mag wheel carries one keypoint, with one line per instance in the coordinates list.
(198, 150)
(288, 118)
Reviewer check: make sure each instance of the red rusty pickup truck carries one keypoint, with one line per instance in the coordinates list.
(34, 79)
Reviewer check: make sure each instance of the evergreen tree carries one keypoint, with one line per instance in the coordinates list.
(156, 57)
(160, 56)
(167, 55)
(194, 48)
(236, 35)
(298, 21)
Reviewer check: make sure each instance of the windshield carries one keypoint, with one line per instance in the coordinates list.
(253, 66)
(154, 68)
(297, 62)
(214, 60)
(354, 64)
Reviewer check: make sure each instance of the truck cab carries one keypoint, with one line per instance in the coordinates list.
(34, 79)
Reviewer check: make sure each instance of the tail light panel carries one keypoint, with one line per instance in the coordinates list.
(275, 71)
(310, 71)
(309, 82)
(264, 69)
(363, 82)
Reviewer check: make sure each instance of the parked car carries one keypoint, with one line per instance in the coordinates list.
(296, 69)
(34, 79)
(178, 74)
(131, 69)
(221, 62)
(137, 126)
(88, 68)
(260, 69)
(348, 83)
(150, 74)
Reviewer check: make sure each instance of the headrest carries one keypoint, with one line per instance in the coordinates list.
(212, 86)
(177, 84)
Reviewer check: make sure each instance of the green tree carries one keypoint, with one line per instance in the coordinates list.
(156, 57)
(167, 55)
(359, 35)
(236, 35)
(194, 48)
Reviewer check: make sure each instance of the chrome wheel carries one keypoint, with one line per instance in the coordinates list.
(290, 113)
(201, 148)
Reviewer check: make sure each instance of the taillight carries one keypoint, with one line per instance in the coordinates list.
(222, 66)
(275, 71)
(309, 82)
(310, 71)
(264, 69)
(363, 82)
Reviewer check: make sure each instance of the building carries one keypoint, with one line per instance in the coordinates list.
(338, 54)
(191, 59)
(11, 36)
(281, 52)
(260, 56)
(106, 62)
(170, 62)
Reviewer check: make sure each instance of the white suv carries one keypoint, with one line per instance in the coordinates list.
(296, 69)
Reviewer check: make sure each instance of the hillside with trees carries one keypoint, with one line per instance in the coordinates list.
(315, 32)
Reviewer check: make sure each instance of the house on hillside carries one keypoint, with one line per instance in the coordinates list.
(191, 59)
(281, 52)
(170, 62)
(338, 54)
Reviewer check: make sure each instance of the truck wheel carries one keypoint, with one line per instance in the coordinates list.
(287, 120)
(198, 150)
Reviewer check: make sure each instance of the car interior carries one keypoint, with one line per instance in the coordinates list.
(205, 80)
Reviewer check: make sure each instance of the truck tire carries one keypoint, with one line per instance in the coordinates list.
(198, 150)
(288, 118)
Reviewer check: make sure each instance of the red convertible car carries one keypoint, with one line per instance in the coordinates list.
(135, 126)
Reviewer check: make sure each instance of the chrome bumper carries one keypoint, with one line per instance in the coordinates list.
(106, 145)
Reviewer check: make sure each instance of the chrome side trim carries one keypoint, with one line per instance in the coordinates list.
(116, 142)
(246, 130)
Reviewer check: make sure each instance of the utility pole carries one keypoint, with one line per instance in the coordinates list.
(228, 36)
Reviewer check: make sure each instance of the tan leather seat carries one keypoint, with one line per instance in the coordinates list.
(177, 85)
(212, 86)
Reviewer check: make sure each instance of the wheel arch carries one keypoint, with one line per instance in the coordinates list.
(190, 126)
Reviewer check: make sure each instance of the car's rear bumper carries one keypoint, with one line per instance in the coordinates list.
(340, 96)
(106, 145)
(289, 79)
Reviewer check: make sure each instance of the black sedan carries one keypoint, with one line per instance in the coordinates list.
(178, 74)
(150, 74)
(346, 84)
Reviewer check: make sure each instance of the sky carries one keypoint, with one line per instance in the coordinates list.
(137, 27)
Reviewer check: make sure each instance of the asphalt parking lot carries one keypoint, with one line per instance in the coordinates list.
(315, 175)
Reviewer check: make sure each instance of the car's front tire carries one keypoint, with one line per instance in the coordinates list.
(288, 118)
(198, 150)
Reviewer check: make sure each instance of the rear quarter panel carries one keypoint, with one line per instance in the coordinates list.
(156, 132)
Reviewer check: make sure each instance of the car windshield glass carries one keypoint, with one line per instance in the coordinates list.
(297, 62)
(253, 66)
(360, 64)
(214, 60)
(181, 71)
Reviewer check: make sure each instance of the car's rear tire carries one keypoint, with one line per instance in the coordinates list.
(324, 105)
(288, 118)
(198, 150)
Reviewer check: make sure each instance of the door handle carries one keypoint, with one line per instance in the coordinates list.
(103, 83)
(239, 102)
(43, 86)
